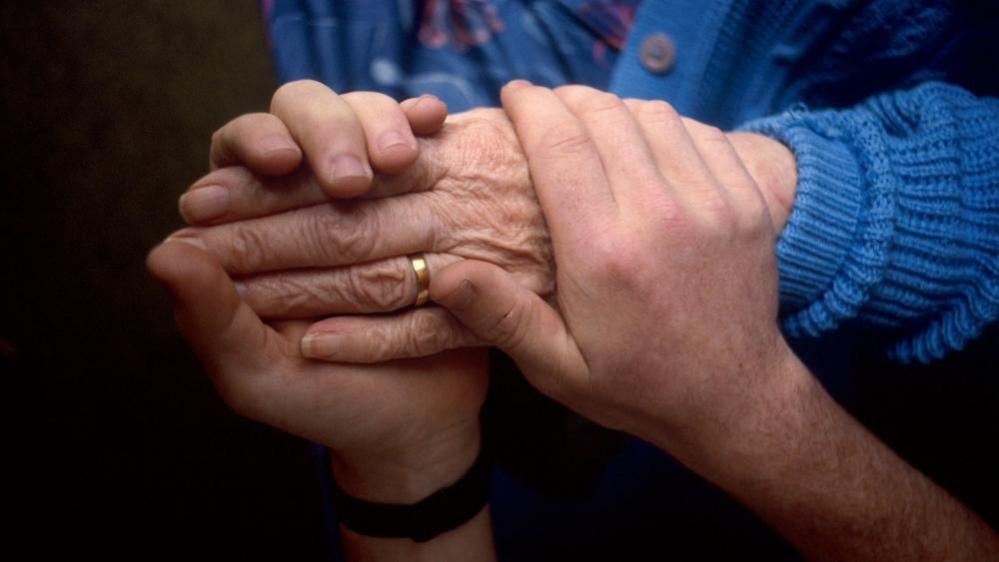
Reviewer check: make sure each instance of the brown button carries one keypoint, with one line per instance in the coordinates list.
(658, 53)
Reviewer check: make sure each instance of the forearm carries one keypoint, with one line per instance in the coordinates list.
(832, 489)
(408, 480)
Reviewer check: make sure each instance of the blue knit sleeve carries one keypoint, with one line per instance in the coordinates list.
(896, 218)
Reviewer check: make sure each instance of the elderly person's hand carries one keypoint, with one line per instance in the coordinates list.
(467, 196)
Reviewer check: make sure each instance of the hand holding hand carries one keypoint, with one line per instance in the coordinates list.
(398, 431)
(666, 324)
(346, 136)
(296, 254)
(468, 195)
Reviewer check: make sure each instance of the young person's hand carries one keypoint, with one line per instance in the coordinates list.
(666, 327)
(346, 139)
(398, 431)
(666, 316)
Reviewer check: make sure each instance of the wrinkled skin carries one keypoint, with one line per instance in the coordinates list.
(397, 430)
(468, 196)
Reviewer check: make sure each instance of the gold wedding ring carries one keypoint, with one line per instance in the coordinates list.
(422, 273)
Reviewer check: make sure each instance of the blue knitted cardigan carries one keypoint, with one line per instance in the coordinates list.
(888, 105)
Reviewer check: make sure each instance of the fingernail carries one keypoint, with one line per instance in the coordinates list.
(204, 203)
(274, 143)
(390, 140)
(518, 84)
(320, 346)
(347, 166)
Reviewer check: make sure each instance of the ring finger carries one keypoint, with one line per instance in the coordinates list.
(379, 286)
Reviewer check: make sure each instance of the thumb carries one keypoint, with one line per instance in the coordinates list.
(503, 313)
(224, 332)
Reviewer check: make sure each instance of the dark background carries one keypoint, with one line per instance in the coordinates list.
(120, 446)
(107, 109)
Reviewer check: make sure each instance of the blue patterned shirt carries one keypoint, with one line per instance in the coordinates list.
(462, 51)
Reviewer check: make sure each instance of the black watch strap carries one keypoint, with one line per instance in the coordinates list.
(442, 511)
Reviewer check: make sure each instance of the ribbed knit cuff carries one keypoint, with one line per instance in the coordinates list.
(896, 219)
(824, 220)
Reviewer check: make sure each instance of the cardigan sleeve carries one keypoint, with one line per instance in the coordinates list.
(895, 222)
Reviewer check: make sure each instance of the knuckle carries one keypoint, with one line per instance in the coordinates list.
(370, 98)
(509, 329)
(623, 266)
(378, 288)
(713, 138)
(384, 348)
(665, 215)
(754, 207)
(340, 238)
(657, 111)
(248, 246)
(719, 211)
(754, 217)
(598, 103)
(572, 94)
(282, 96)
(278, 296)
(285, 96)
(718, 220)
(294, 295)
(426, 335)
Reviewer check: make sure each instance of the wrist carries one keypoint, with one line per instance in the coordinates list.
(749, 417)
(761, 440)
(408, 474)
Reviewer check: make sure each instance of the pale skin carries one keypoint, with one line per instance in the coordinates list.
(716, 387)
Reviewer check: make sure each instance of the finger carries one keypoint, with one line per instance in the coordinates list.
(331, 234)
(724, 162)
(391, 145)
(329, 132)
(373, 339)
(503, 313)
(259, 141)
(379, 286)
(426, 114)
(235, 193)
(564, 164)
(674, 152)
(224, 332)
(626, 157)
